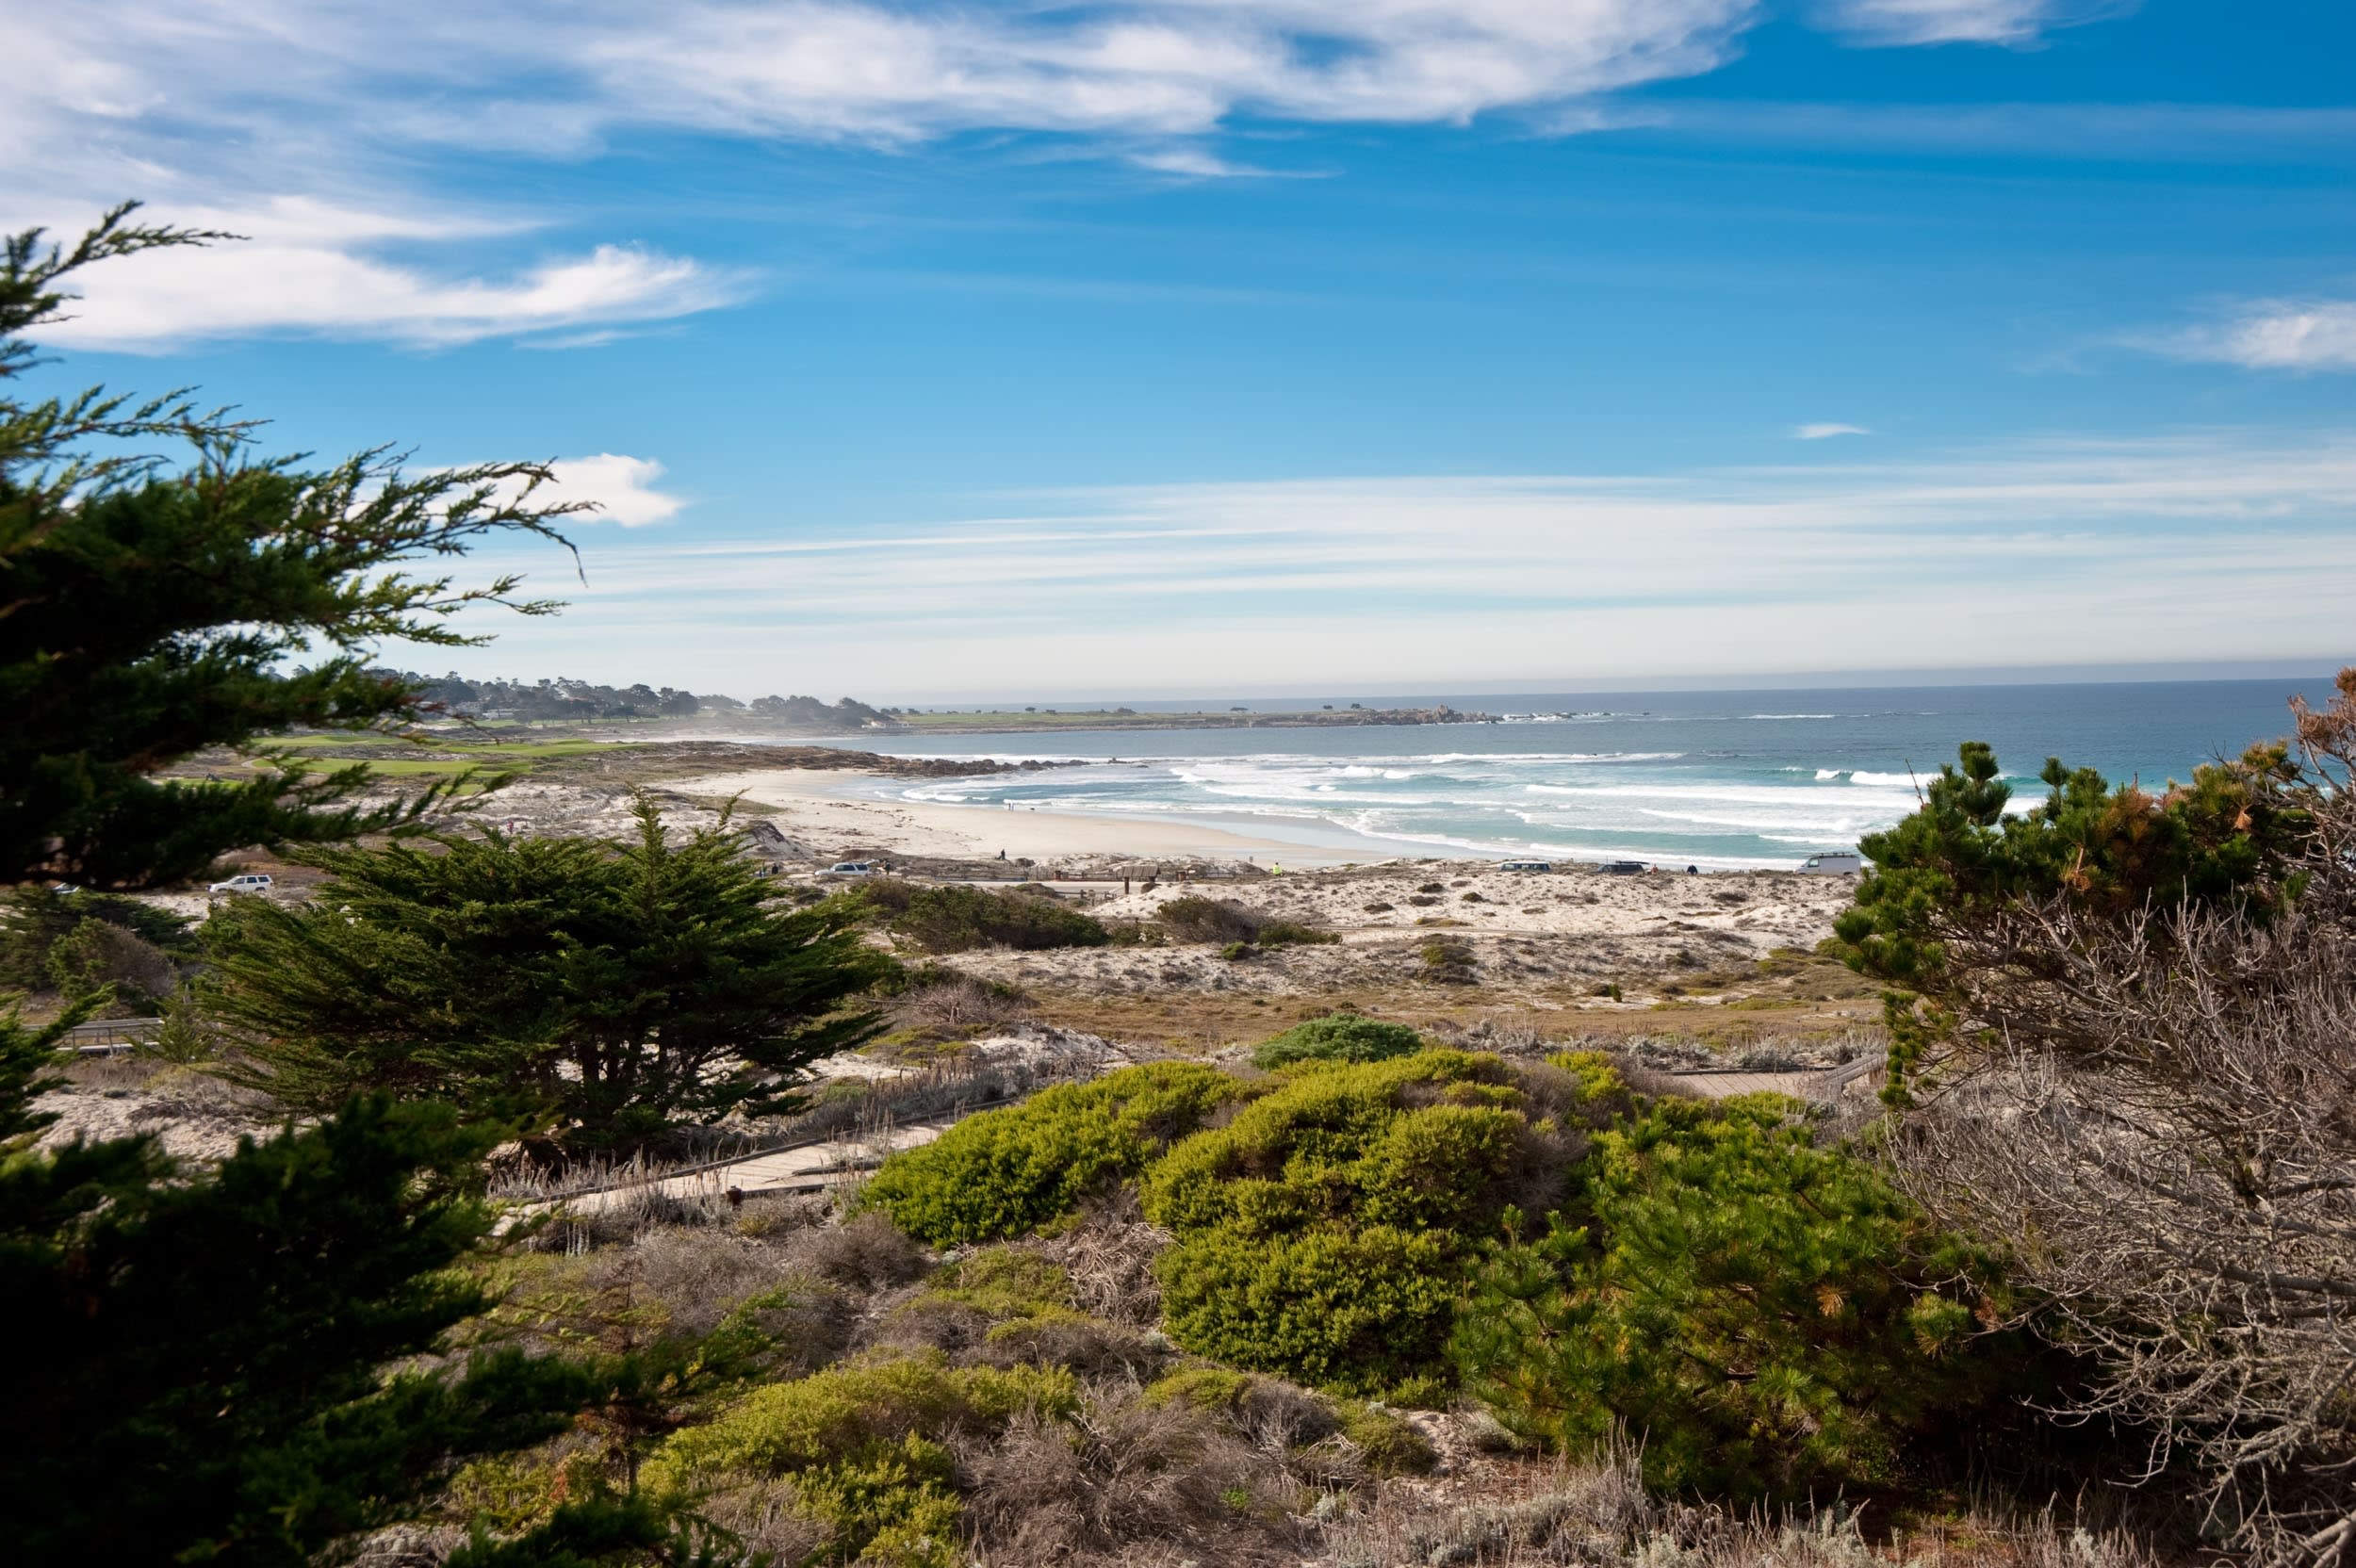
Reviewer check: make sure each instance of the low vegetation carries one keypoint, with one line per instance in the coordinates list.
(1337, 1038)
(1004, 1173)
(957, 918)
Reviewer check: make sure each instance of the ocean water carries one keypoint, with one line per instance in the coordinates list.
(1709, 779)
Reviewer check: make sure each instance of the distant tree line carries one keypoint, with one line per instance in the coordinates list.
(565, 699)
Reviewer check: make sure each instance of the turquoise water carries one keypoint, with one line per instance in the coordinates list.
(1710, 778)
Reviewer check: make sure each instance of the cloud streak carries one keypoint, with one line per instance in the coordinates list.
(251, 108)
(2079, 553)
(1890, 23)
(2268, 334)
(1826, 430)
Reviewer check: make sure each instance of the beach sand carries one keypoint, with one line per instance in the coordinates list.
(821, 809)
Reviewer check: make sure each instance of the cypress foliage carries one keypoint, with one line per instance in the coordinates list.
(1769, 1315)
(155, 609)
(209, 1384)
(617, 989)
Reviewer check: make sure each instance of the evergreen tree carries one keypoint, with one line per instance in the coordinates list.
(208, 1380)
(617, 988)
(152, 607)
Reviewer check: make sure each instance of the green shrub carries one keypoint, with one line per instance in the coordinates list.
(861, 1443)
(1338, 1037)
(960, 918)
(1292, 933)
(1323, 1234)
(856, 1408)
(1196, 919)
(1770, 1313)
(1388, 1442)
(1206, 1388)
(1344, 1308)
(1002, 1173)
(889, 1508)
(998, 1282)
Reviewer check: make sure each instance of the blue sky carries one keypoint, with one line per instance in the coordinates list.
(922, 350)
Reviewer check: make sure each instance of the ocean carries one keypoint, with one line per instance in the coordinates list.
(1715, 779)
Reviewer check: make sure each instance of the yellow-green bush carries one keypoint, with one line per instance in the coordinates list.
(998, 1282)
(1343, 1309)
(1002, 1173)
(854, 1408)
(1388, 1442)
(1323, 1233)
(861, 1444)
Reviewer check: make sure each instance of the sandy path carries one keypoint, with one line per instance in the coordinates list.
(819, 808)
(807, 1169)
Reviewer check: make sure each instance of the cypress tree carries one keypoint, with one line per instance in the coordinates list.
(614, 988)
(153, 608)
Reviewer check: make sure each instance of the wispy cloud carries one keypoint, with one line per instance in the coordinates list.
(1823, 431)
(2266, 335)
(330, 285)
(2006, 22)
(2063, 551)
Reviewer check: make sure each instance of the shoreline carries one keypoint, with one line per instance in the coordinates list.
(827, 807)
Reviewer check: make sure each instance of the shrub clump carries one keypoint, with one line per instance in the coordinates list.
(1770, 1313)
(1002, 1173)
(1337, 1038)
(1325, 1232)
(862, 1443)
(1196, 919)
(958, 919)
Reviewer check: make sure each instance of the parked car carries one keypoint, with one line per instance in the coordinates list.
(248, 882)
(852, 868)
(1841, 863)
(1527, 865)
(1623, 867)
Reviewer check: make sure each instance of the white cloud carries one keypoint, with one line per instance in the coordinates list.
(2050, 552)
(1919, 21)
(1820, 432)
(330, 286)
(2270, 335)
(621, 487)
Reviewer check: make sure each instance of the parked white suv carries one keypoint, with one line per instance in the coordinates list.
(251, 882)
(852, 868)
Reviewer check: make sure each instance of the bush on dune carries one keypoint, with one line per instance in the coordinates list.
(1003, 1173)
(1337, 1038)
(863, 1445)
(960, 918)
(1196, 919)
(1325, 1232)
(1771, 1313)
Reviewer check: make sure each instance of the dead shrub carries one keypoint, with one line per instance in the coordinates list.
(1196, 919)
(1127, 1482)
(1108, 1254)
(961, 1002)
(862, 1253)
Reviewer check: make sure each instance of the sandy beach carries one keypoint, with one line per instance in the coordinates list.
(824, 811)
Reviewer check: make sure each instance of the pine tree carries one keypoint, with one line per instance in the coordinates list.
(614, 988)
(206, 1374)
(152, 607)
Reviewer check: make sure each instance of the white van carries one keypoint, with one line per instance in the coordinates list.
(251, 882)
(1527, 865)
(1841, 862)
